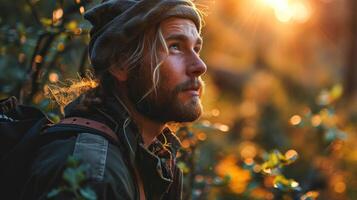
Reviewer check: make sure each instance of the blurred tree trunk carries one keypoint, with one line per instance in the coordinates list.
(351, 67)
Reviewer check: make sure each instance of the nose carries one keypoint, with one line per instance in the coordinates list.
(196, 67)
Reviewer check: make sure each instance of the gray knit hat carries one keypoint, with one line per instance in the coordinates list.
(118, 22)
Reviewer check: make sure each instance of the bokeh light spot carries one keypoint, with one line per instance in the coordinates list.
(291, 154)
(38, 59)
(53, 77)
(57, 14)
(340, 187)
(316, 120)
(295, 120)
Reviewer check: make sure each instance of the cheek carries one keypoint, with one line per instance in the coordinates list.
(172, 71)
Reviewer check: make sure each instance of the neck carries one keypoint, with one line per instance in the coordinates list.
(148, 128)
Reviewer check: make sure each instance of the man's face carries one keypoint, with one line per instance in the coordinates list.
(180, 85)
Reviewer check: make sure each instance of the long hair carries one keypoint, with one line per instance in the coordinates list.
(95, 87)
(147, 48)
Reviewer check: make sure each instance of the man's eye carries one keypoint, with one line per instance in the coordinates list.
(174, 47)
(197, 49)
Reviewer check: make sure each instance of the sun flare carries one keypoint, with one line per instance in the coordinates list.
(289, 10)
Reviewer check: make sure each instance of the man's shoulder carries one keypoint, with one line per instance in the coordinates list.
(53, 154)
(107, 169)
(107, 163)
(105, 158)
(88, 148)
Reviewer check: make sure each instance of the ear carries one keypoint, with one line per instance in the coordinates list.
(120, 73)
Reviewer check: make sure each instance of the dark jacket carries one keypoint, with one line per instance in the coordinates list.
(111, 164)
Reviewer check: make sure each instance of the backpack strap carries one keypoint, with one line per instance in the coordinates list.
(91, 124)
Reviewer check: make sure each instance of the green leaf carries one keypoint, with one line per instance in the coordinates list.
(54, 193)
(69, 175)
(88, 194)
(72, 161)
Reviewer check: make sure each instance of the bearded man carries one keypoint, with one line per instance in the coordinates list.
(146, 56)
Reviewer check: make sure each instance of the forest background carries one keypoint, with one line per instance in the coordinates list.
(280, 116)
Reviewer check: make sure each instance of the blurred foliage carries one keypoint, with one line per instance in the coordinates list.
(218, 168)
(281, 78)
(42, 42)
(75, 177)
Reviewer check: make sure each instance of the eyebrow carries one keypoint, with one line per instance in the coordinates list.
(182, 37)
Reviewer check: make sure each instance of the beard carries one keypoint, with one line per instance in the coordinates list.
(164, 105)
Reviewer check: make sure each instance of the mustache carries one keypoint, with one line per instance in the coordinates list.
(193, 84)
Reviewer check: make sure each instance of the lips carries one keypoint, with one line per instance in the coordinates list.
(193, 92)
(193, 88)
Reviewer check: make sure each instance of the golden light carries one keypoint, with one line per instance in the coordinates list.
(283, 16)
(53, 77)
(310, 195)
(249, 161)
(77, 31)
(277, 4)
(248, 151)
(291, 154)
(340, 187)
(239, 177)
(248, 108)
(294, 184)
(201, 136)
(206, 123)
(38, 58)
(326, 1)
(57, 14)
(289, 10)
(185, 144)
(301, 12)
(281, 8)
(267, 171)
(221, 127)
(316, 120)
(215, 112)
(295, 120)
(81, 10)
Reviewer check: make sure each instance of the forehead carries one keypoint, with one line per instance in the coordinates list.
(176, 25)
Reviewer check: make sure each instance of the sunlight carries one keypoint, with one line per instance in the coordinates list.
(301, 11)
(286, 11)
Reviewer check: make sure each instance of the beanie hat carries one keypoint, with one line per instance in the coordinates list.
(116, 23)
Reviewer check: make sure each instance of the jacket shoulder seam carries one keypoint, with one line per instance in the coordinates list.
(92, 149)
